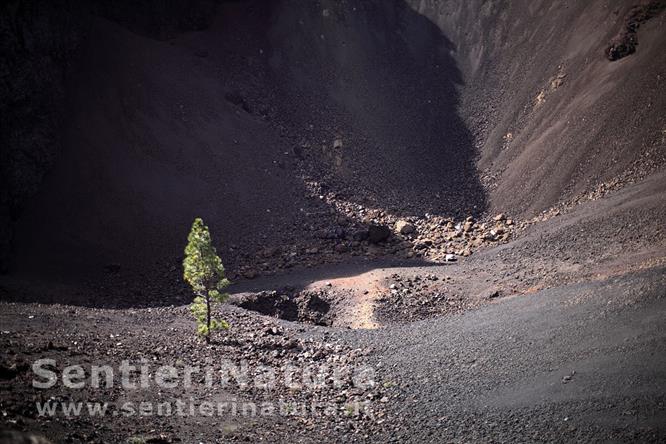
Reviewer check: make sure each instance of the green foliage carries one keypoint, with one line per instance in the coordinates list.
(203, 270)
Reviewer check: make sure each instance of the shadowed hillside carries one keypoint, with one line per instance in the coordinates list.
(231, 122)
(289, 124)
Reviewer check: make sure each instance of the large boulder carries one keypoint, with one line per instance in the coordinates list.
(404, 227)
(378, 233)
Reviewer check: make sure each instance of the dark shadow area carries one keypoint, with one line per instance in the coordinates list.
(168, 117)
(126, 289)
(368, 90)
(286, 304)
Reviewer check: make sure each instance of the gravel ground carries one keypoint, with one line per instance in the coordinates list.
(551, 337)
(577, 363)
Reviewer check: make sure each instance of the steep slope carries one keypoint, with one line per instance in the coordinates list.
(150, 143)
(256, 112)
(241, 123)
(381, 79)
(553, 116)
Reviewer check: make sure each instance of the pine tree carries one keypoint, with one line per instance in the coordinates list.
(203, 270)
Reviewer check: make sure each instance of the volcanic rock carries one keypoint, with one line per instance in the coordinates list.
(404, 227)
(378, 233)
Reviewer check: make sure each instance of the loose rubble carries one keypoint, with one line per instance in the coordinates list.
(374, 233)
(254, 340)
(418, 297)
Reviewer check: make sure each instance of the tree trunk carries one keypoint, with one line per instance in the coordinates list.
(208, 318)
